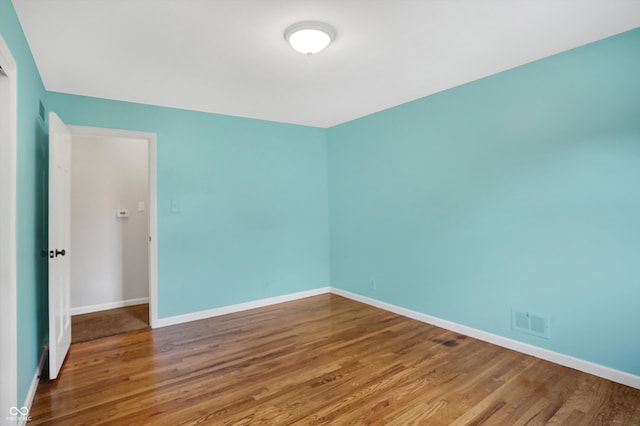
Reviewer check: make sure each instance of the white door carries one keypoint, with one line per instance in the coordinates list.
(59, 238)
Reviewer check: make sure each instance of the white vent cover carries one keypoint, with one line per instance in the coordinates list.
(530, 323)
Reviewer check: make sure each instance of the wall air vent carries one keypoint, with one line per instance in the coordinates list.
(530, 323)
(41, 112)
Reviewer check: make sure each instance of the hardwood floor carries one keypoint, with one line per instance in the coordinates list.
(321, 360)
(96, 325)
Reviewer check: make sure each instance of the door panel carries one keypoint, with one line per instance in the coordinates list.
(59, 239)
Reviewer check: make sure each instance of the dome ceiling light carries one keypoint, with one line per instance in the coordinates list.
(309, 37)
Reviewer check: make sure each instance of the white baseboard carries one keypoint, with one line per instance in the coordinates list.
(112, 305)
(555, 357)
(31, 393)
(223, 310)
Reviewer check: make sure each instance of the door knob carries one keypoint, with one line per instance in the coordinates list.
(53, 254)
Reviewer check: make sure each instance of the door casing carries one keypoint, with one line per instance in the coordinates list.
(8, 248)
(151, 138)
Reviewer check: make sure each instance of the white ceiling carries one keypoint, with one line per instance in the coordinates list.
(230, 56)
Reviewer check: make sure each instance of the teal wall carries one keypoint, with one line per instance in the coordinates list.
(518, 190)
(31, 203)
(253, 219)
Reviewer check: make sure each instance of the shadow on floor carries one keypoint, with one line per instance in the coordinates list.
(95, 325)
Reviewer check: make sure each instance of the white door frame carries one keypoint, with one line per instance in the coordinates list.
(151, 138)
(8, 249)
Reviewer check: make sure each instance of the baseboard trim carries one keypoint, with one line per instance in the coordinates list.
(31, 393)
(223, 310)
(104, 306)
(555, 357)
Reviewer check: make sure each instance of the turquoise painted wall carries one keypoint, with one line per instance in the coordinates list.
(518, 190)
(31, 203)
(253, 220)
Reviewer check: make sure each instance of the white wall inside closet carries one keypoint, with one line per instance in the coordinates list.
(109, 254)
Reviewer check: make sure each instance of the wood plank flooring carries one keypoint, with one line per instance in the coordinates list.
(319, 361)
(96, 325)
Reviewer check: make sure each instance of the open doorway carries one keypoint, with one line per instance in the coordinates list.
(113, 215)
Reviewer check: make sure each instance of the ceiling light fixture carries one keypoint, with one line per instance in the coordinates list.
(309, 37)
